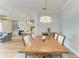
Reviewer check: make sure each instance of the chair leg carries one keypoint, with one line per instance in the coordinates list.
(25, 55)
(60, 55)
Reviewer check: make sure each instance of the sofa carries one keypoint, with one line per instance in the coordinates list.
(5, 37)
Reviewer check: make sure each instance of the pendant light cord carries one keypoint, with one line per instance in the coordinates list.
(45, 4)
(44, 8)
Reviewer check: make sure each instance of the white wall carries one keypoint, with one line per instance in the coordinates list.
(42, 27)
(70, 25)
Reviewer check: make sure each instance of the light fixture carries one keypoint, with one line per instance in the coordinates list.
(45, 19)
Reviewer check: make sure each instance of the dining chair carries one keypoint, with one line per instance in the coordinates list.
(26, 39)
(45, 34)
(56, 36)
(61, 39)
(33, 36)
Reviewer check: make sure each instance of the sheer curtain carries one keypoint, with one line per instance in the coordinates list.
(0, 27)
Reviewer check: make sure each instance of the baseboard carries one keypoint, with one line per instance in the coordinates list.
(75, 52)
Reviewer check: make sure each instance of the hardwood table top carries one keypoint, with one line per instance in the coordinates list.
(50, 45)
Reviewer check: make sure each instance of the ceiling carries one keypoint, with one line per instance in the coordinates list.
(23, 8)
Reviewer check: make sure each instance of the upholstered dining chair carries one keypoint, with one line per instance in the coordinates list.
(45, 34)
(26, 39)
(61, 39)
(56, 36)
(33, 35)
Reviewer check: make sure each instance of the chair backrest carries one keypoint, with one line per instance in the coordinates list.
(56, 36)
(33, 36)
(27, 39)
(45, 34)
(61, 39)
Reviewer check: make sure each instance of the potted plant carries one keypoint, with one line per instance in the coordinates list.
(49, 33)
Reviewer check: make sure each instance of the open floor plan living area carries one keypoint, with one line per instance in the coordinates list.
(39, 28)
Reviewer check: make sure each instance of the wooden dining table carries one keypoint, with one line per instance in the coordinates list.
(40, 46)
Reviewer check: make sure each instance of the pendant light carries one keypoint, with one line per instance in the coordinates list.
(45, 19)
